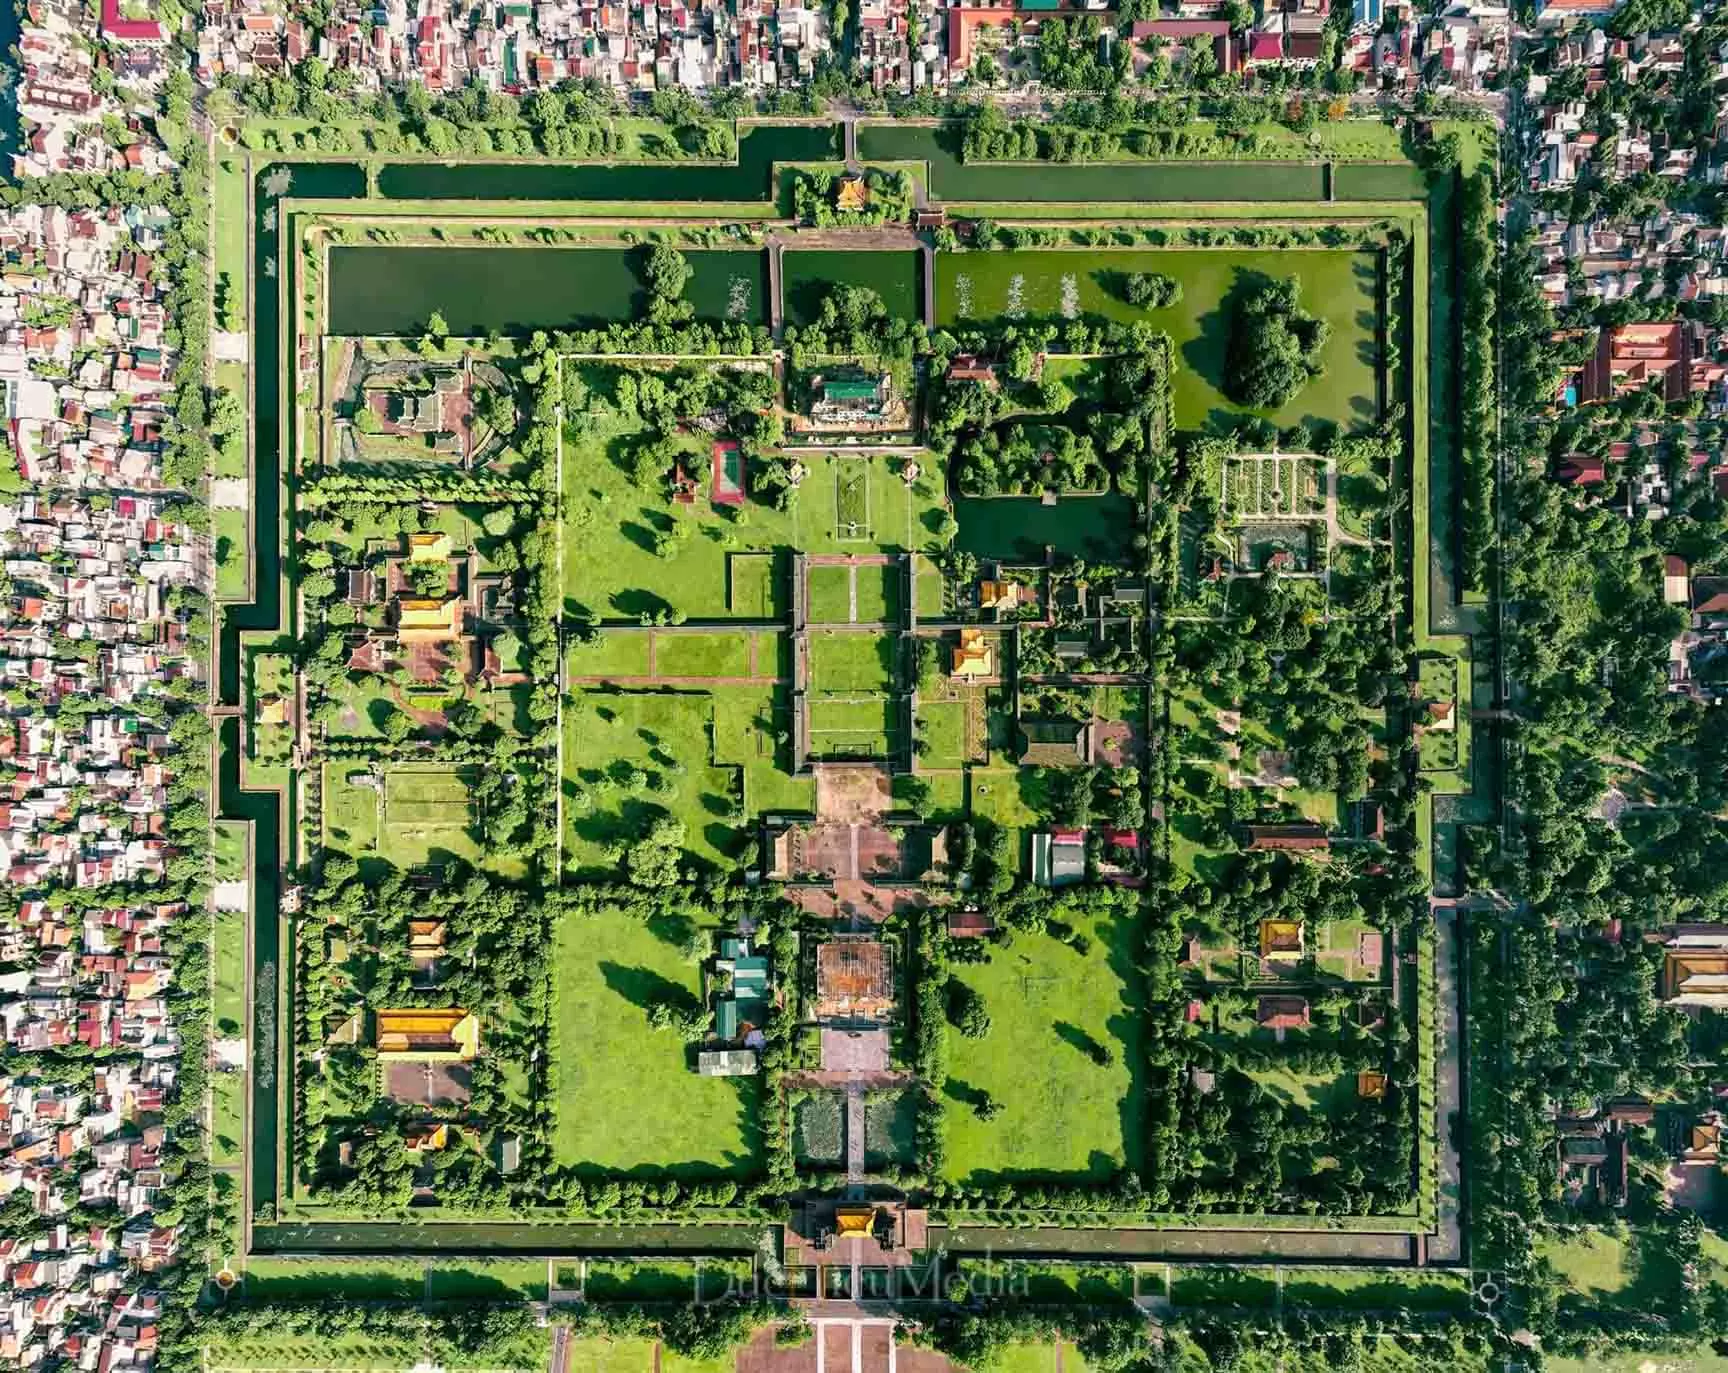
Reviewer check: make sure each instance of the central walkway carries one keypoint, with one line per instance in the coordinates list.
(854, 1345)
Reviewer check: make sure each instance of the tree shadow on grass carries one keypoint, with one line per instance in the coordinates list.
(643, 987)
(964, 1093)
(1077, 1038)
(637, 603)
(673, 929)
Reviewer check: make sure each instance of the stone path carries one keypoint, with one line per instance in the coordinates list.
(854, 1133)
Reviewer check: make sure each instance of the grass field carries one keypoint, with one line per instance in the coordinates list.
(350, 810)
(847, 662)
(746, 720)
(830, 594)
(1063, 1116)
(1218, 1286)
(426, 815)
(422, 815)
(1338, 285)
(701, 655)
(662, 1279)
(610, 566)
(359, 1279)
(488, 1280)
(228, 190)
(1593, 1264)
(851, 729)
(664, 737)
(1360, 1290)
(229, 530)
(755, 587)
(942, 728)
(1053, 1282)
(878, 594)
(228, 994)
(612, 653)
(626, 1093)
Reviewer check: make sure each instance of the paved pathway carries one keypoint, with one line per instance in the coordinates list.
(854, 1132)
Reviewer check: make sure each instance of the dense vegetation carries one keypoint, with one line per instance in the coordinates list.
(1274, 348)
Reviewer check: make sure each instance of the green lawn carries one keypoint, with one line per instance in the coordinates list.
(1356, 1289)
(1062, 1114)
(830, 594)
(611, 1356)
(1338, 285)
(627, 1095)
(644, 1280)
(228, 994)
(852, 729)
(663, 735)
(1593, 1264)
(228, 193)
(701, 655)
(610, 566)
(879, 594)
(1220, 1286)
(423, 816)
(427, 816)
(611, 653)
(350, 809)
(943, 730)
(228, 845)
(842, 661)
(354, 1352)
(229, 529)
(488, 1280)
(756, 586)
(356, 1279)
(746, 720)
(1053, 1282)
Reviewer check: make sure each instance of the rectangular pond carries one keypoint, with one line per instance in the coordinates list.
(896, 276)
(953, 179)
(1339, 285)
(1019, 528)
(392, 290)
(760, 146)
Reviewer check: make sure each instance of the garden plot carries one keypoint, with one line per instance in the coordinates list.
(852, 502)
(1274, 486)
(426, 815)
(851, 664)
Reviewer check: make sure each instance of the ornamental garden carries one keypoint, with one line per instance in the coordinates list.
(845, 694)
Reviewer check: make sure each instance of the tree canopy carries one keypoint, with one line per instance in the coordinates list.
(1274, 347)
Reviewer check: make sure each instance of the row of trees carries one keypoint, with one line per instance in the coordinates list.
(1478, 235)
